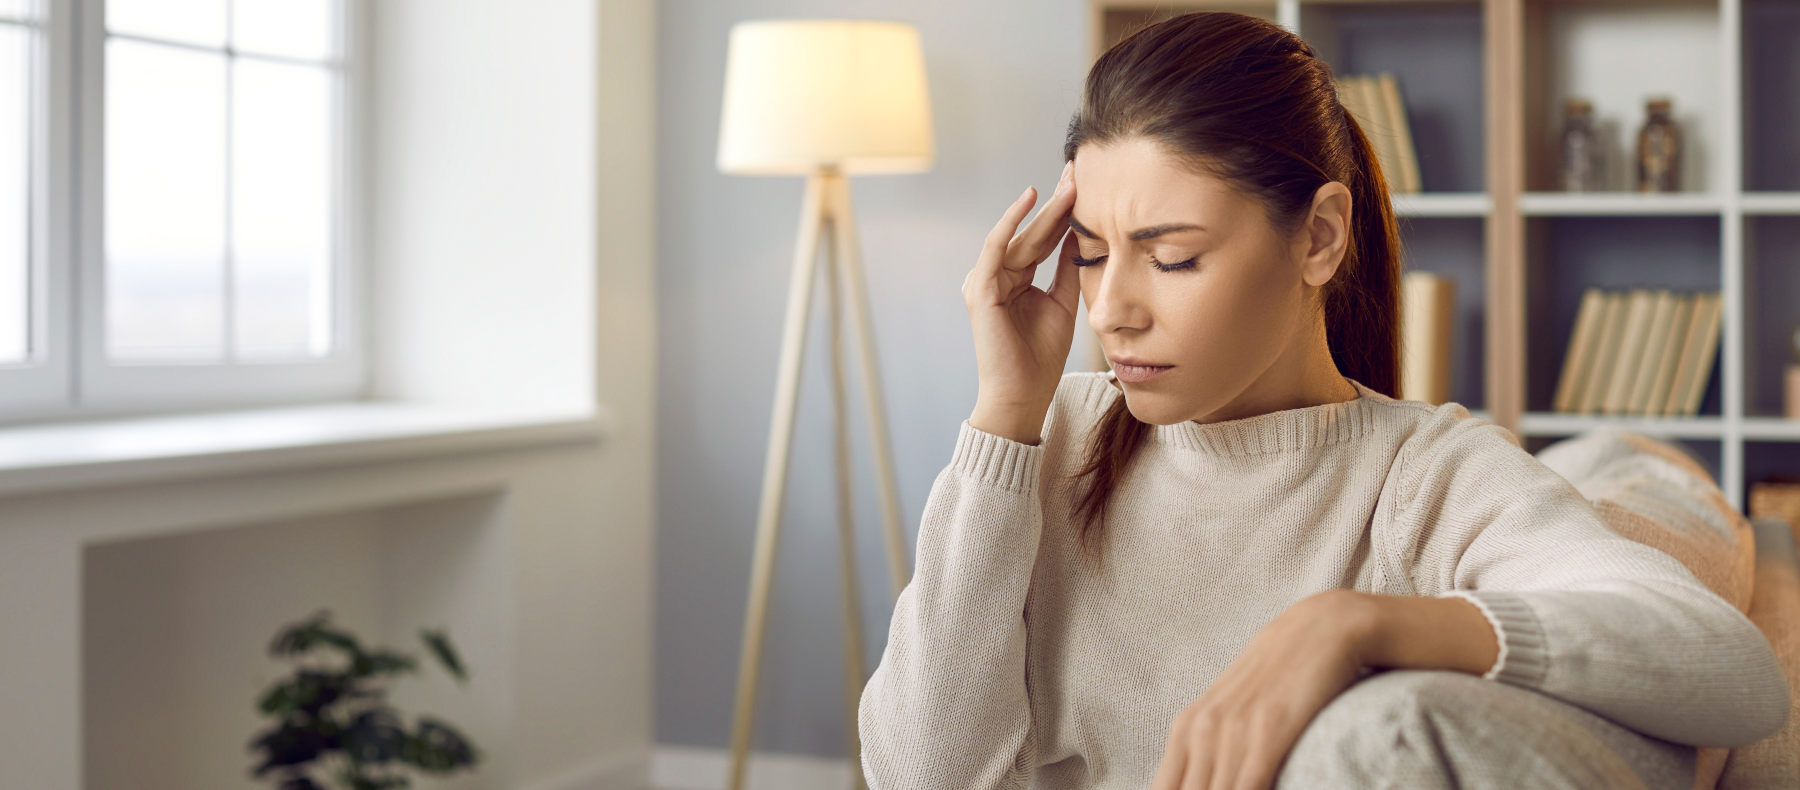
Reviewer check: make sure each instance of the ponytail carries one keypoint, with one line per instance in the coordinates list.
(1362, 301)
(1251, 103)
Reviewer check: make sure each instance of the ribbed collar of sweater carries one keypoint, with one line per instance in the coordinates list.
(1289, 430)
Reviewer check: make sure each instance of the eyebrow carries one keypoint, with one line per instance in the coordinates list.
(1142, 234)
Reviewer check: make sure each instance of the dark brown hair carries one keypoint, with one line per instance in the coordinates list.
(1246, 101)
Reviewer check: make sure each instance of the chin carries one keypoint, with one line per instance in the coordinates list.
(1157, 408)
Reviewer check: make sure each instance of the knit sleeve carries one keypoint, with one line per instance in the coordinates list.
(1582, 613)
(948, 707)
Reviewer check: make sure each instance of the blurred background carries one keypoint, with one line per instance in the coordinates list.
(443, 318)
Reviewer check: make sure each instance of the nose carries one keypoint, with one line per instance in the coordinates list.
(1117, 304)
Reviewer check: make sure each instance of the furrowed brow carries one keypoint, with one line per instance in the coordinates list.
(1081, 229)
(1158, 230)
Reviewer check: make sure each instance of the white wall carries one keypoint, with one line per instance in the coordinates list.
(482, 174)
(509, 244)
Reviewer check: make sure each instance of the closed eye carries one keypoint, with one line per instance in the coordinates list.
(1174, 267)
(1080, 261)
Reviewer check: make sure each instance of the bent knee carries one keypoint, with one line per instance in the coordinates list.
(1447, 729)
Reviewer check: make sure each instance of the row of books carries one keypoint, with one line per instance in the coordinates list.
(1640, 353)
(1376, 103)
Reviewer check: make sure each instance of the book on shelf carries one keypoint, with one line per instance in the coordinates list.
(1581, 347)
(1673, 338)
(1656, 339)
(1606, 349)
(1639, 353)
(1631, 351)
(1427, 320)
(1700, 348)
(1381, 112)
(1405, 157)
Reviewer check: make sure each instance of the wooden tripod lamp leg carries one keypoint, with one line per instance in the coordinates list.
(857, 296)
(775, 469)
(846, 506)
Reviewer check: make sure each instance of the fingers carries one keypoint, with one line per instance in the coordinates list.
(1066, 287)
(1174, 760)
(1039, 237)
(1202, 755)
(993, 250)
(1260, 765)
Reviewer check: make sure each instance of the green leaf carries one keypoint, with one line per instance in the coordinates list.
(438, 748)
(375, 737)
(314, 631)
(289, 744)
(439, 643)
(306, 693)
(383, 662)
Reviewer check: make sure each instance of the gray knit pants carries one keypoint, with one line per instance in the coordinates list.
(1414, 729)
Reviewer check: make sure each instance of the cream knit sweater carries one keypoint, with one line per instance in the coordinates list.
(1014, 658)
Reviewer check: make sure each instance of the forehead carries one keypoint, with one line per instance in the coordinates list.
(1136, 183)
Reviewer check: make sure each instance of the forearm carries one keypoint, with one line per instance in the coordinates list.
(1409, 632)
(948, 706)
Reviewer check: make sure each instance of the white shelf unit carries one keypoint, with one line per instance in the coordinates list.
(1442, 204)
(1616, 54)
(1619, 204)
(1770, 203)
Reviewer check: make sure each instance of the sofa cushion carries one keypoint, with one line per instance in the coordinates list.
(1658, 495)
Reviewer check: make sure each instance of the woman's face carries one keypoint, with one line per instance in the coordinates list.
(1204, 307)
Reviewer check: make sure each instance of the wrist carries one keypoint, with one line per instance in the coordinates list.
(1020, 423)
(1357, 622)
(1412, 632)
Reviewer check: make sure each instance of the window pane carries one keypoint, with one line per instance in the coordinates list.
(15, 193)
(291, 28)
(14, 9)
(165, 202)
(281, 209)
(189, 21)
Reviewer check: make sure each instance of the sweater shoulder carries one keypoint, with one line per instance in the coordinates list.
(1448, 436)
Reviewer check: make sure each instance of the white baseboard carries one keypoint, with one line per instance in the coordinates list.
(689, 768)
(623, 770)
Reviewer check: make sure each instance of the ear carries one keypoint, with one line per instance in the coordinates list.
(1325, 234)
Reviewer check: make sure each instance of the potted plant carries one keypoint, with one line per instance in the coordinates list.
(332, 717)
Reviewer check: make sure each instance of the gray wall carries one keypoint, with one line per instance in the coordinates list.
(1005, 74)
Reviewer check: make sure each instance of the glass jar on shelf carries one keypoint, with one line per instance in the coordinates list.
(1659, 149)
(1581, 154)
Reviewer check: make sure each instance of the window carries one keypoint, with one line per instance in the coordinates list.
(206, 261)
(19, 80)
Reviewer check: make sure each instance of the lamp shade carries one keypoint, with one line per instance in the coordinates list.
(803, 95)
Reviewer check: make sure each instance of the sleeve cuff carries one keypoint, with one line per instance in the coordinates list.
(1523, 658)
(996, 461)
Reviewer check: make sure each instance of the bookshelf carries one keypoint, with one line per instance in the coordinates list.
(1484, 82)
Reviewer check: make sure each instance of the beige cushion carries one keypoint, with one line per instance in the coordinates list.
(1775, 760)
(1658, 495)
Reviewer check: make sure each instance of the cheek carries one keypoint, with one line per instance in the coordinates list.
(1232, 324)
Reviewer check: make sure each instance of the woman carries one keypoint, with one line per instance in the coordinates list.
(1187, 572)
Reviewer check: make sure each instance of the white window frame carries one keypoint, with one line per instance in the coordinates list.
(41, 384)
(70, 375)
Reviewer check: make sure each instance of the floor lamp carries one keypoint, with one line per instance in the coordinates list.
(825, 99)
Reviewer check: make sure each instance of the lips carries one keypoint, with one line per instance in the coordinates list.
(1136, 371)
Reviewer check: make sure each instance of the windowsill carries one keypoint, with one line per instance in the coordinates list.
(65, 456)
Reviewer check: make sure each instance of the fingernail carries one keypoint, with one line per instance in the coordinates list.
(1062, 184)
